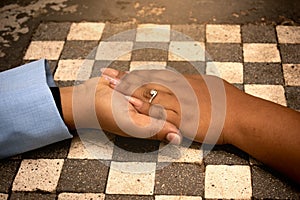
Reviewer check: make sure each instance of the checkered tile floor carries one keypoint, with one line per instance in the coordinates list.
(261, 60)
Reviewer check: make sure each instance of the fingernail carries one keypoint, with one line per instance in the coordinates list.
(111, 80)
(174, 138)
(134, 101)
(102, 70)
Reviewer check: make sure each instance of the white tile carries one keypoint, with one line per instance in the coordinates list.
(85, 31)
(186, 51)
(173, 197)
(3, 196)
(91, 145)
(274, 93)
(69, 70)
(175, 153)
(131, 178)
(41, 174)
(223, 33)
(114, 51)
(261, 53)
(81, 196)
(50, 50)
(288, 34)
(153, 33)
(228, 182)
(291, 74)
(230, 71)
(145, 65)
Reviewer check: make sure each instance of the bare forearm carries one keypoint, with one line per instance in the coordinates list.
(268, 132)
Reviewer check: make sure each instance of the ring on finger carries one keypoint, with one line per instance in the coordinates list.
(153, 93)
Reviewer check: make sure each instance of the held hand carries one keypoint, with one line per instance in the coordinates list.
(180, 104)
(95, 105)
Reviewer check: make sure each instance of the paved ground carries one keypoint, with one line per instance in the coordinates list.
(259, 58)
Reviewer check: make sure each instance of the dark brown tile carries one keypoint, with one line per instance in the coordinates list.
(8, 171)
(290, 53)
(188, 32)
(185, 67)
(52, 31)
(224, 52)
(83, 176)
(224, 155)
(263, 73)
(269, 185)
(258, 34)
(57, 150)
(292, 94)
(118, 65)
(180, 179)
(150, 51)
(79, 49)
(31, 196)
(125, 31)
(135, 150)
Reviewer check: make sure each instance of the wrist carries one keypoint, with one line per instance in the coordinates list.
(66, 94)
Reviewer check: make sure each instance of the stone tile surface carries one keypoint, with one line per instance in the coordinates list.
(293, 97)
(138, 65)
(57, 150)
(217, 33)
(267, 185)
(32, 196)
(224, 52)
(78, 49)
(172, 197)
(131, 178)
(124, 31)
(85, 176)
(291, 74)
(190, 32)
(114, 51)
(135, 150)
(3, 196)
(150, 51)
(186, 51)
(230, 71)
(8, 170)
(128, 197)
(52, 31)
(92, 144)
(274, 93)
(69, 70)
(258, 34)
(261, 53)
(187, 153)
(40, 174)
(180, 179)
(224, 155)
(288, 34)
(44, 50)
(263, 73)
(86, 31)
(82, 196)
(228, 182)
(153, 33)
(185, 67)
(290, 53)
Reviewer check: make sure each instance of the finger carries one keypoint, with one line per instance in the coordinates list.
(112, 73)
(168, 132)
(155, 111)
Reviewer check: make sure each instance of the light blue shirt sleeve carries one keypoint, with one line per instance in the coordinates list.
(29, 118)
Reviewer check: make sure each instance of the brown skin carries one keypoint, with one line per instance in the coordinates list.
(267, 131)
(94, 98)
